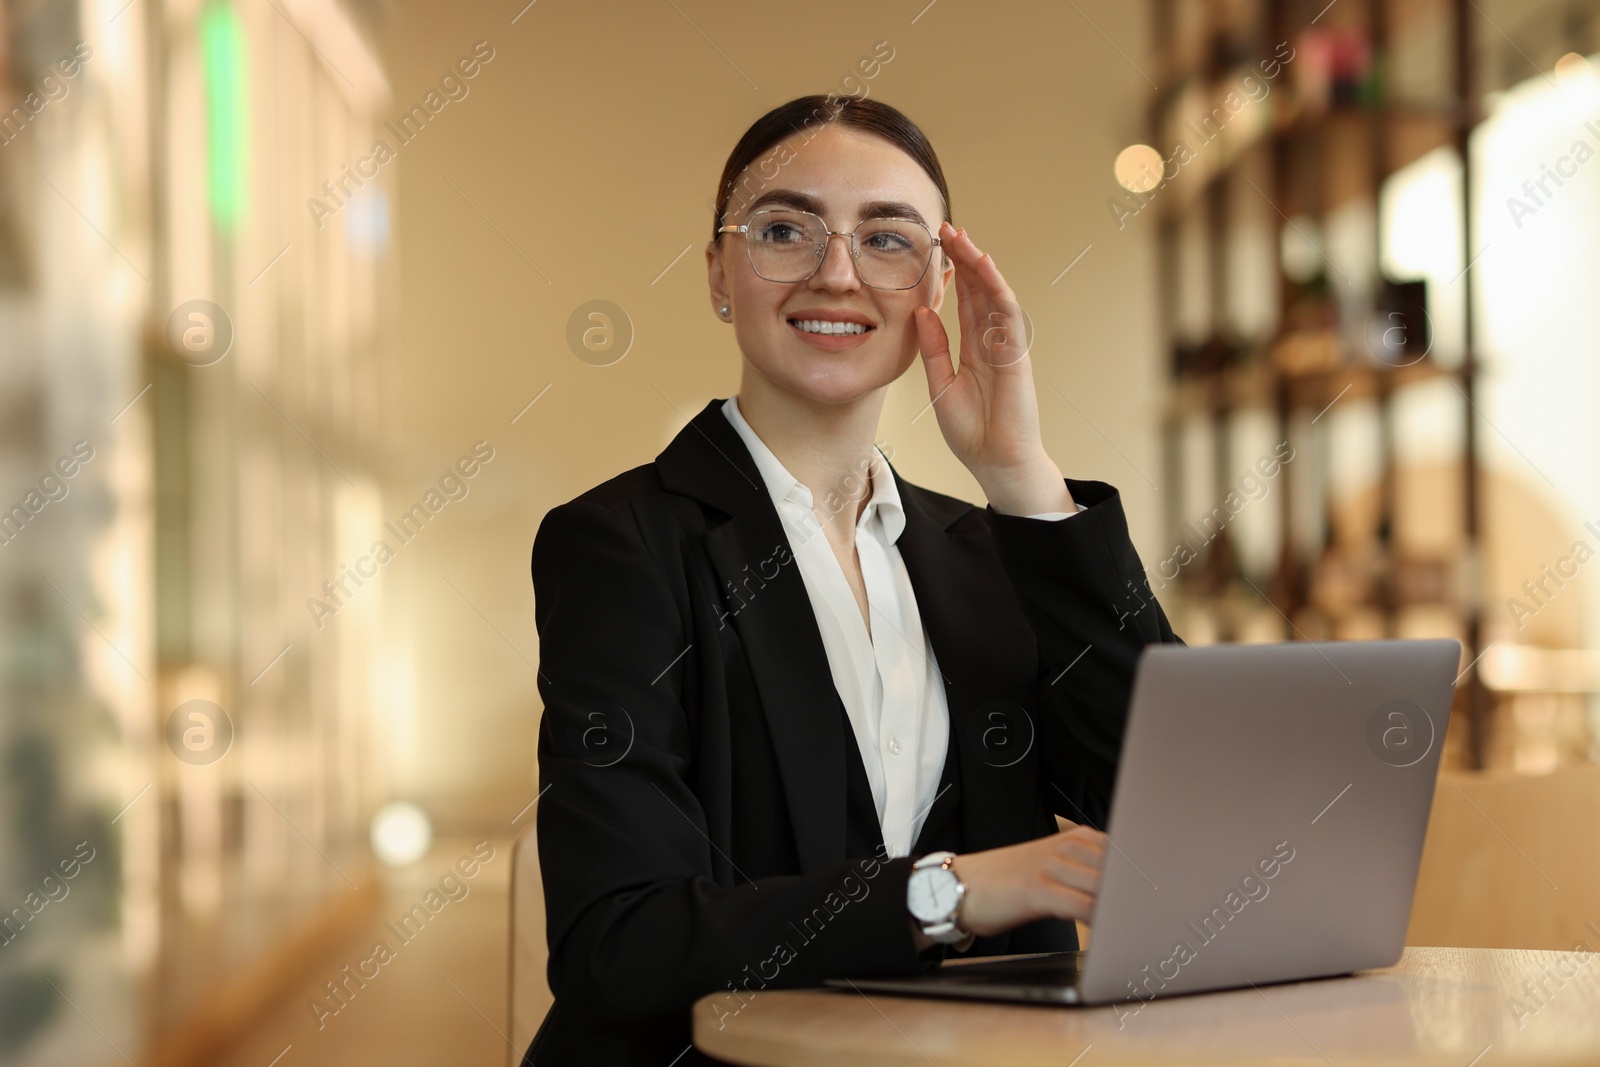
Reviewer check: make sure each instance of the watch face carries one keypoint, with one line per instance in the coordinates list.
(932, 893)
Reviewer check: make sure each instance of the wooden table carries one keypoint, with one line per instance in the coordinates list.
(1455, 1006)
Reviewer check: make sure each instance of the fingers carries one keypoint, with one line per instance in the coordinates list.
(1076, 858)
(1071, 882)
(1056, 899)
(1069, 904)
(965, 256)
(979, 264)
(966, 309)
(988, 311)
(935, 345)
(1086, 835)
(959, 245)
(1080, 855)
(1072, 873)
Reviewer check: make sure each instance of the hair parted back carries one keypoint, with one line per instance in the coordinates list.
(758, 153)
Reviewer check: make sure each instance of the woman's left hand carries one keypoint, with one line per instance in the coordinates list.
(987, 410)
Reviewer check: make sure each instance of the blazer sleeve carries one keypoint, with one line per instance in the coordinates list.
(1085, 594)
(636, 923)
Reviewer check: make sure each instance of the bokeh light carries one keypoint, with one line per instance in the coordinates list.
(401, 833)
(1138, 168)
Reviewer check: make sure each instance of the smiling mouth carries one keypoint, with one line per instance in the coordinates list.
(825, 328)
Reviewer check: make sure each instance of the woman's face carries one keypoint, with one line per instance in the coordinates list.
(844, 172)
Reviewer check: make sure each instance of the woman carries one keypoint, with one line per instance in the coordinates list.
(751, 733)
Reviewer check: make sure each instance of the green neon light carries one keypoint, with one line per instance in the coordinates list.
(222, 61)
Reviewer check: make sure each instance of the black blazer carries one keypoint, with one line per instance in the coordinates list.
(701, 825)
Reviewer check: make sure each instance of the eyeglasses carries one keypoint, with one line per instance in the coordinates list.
(788, 246)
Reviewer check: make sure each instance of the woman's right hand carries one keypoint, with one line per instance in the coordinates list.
(1052, 877)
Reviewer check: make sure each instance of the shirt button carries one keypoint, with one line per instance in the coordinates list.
(894, 746)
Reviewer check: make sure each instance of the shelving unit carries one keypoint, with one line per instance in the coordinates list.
(1332, 121)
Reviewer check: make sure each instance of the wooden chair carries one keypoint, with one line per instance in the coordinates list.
(1511, 861)
(529, 989)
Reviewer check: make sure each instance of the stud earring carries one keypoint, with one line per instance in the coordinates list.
(725, 310)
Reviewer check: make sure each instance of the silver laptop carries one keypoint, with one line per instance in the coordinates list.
(1266, 825)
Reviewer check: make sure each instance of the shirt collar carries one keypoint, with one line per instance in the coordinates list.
(884, 505)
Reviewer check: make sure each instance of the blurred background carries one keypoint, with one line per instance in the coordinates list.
(310, 309)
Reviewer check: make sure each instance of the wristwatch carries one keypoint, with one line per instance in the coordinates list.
(933, 896)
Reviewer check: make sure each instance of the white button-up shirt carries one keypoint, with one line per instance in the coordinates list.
(887, 678)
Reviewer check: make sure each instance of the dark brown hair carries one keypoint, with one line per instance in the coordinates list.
(807, 114)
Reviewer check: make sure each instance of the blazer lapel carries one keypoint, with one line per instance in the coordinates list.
(767, 604)
(988, 656)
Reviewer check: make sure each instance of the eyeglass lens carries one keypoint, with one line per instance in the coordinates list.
(787, 246)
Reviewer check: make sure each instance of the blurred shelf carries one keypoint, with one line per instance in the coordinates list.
(1410, 129)
(1342, 565)
(1257, 383)
(1526, 669)
(1390, 113)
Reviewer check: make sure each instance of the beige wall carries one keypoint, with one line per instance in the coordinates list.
(592, 142)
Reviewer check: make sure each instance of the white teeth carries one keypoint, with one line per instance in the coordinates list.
(823, 326)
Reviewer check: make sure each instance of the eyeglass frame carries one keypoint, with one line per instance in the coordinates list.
(855, 251)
